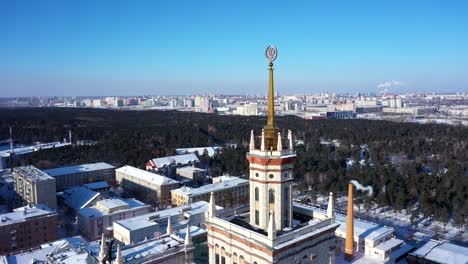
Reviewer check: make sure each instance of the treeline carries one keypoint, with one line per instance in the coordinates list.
(407, 164)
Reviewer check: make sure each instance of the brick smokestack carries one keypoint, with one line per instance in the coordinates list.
(349, 245)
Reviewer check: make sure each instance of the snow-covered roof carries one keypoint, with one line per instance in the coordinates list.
(211, 187)
(40, 254)
(79, 168)
(364, 229)
(32, 173)
(150, 177)
(105, 207)
(143, 221)
(189, 169)
(390, 244)
(79, 197)
(25, 213)
(177, 159)
(210, 150)
(442, 252)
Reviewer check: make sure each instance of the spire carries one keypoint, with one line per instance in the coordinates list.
(271, 54)
(290, 140)
(188, 238)
(280, 143)
(262, 146)
(212, 206)
(331, 206)
(271, 229)
(118, 256)
(169, 226)
(252, 140)
(103, 250)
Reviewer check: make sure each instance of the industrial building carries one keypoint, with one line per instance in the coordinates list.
(72, 176)
(95, 220)
(435, 251)
(33, 186)
(156, 188)
(27, 227)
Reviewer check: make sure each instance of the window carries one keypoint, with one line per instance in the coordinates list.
(256, 174)
(256, 194)
(271, 196)
(223, 256)
(235, 259)
(271, 176)
(286, 194)
(257, 216)
(241, 260)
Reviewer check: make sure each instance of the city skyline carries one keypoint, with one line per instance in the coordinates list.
(159, 48)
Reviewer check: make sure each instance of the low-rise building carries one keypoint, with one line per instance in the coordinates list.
(168, 165)
(137, 229)
(77, 198)
(94, 220)
(33, 186)
(72, 176)
(102, 186)
(439, 252)
(155, 188)
(27, 227)
(229, 191)
(195, 175)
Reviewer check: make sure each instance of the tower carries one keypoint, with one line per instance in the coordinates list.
(271, 169)
(349, 243)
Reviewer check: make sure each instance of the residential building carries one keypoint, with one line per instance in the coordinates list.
(229, 191)
(94, 220)
(137, 229)
(33, 186)
(168, 165)
(72, 176)
(155, 188)
(27, 227)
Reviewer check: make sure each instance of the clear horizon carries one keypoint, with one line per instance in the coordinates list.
(94, 48)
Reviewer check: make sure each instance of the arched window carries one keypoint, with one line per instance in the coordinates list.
(223, 256)
(256, 194)
(241, 260)
(217, 254)
(235, 258)
(271, 196)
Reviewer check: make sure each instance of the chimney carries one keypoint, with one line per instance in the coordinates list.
(349, 245)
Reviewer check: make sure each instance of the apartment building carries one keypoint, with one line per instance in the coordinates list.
(27, 227)
(33, 186)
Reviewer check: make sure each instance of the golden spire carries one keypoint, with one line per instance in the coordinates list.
(271, 132)
(271, 99)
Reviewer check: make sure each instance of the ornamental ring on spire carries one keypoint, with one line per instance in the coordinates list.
(271, 53)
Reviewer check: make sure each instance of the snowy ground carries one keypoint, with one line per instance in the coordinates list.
(401, 222)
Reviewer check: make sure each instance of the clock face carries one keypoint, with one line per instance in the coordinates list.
(271, 53)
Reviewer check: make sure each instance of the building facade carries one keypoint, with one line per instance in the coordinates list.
(156, 188)
(33, 186)
(27, 227)
(72, 176)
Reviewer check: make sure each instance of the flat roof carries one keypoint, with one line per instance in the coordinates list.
(96, 185)
(153, 218)
(25, 213)
(32, 173)
(235, 181)
(443, 252)
(78, 169)
(177, 159)
(146, 175)
(189, 169)
(94, 211)
(389, 244)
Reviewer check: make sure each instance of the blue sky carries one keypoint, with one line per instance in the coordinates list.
(188, 47)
